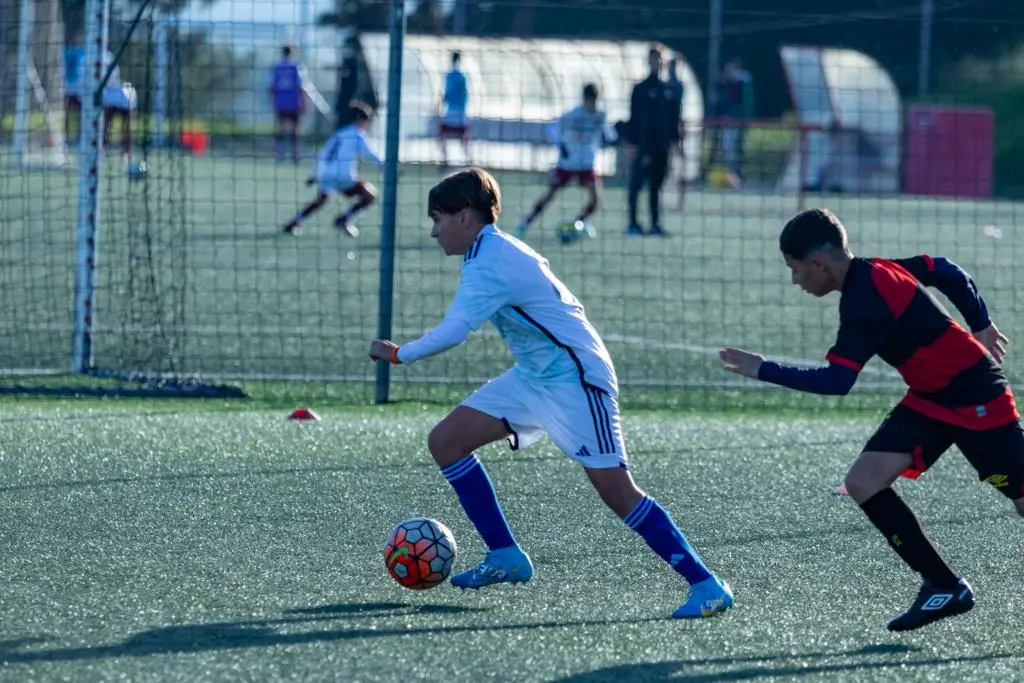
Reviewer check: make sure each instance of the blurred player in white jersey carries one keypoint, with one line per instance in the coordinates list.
(452, 111)
(119, 101)
(579, 133)
(337, 172)
(563, 384)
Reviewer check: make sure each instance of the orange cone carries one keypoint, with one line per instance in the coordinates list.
(303, 414)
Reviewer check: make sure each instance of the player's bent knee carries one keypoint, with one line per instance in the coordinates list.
(873, 472)
(460, 433)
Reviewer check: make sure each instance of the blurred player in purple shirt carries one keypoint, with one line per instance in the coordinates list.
(288, 98)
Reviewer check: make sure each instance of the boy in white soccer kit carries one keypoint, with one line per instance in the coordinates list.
(337, 172)
(579, 133)
(563, 384)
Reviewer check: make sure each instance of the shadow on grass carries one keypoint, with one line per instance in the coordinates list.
(775, 666)
(194, 638)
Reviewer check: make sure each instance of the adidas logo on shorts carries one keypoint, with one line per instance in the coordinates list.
(583, 452)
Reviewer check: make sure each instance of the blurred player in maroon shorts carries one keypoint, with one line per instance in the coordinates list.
(958, 394)
(579, 134)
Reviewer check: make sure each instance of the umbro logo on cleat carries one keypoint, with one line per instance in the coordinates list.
(937, 601)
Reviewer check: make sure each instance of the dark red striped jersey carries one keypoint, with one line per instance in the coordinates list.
(886, 310)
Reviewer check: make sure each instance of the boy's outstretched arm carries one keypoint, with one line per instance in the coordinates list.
(451, 332)
(834, 379)
(482, 291)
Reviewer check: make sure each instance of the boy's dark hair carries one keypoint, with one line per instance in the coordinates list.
(456, 57)
(810, 231)
(470, 188)
(359, 111)
(287, 51)
(591, 91)
(655, 49)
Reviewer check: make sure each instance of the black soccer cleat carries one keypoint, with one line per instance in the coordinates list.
(934, 603)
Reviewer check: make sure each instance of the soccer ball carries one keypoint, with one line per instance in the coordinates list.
(138, 170)
(420, 553)
(571, 231)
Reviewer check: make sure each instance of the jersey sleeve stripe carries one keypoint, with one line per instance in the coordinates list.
(845, 362)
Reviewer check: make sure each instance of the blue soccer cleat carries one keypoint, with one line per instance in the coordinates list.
(709, 597)
(508, 565)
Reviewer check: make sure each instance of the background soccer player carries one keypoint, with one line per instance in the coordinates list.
(957, 391)
(563, 384)
(653, 131)
(289, 102)
(579, 133)
(74, 59)
(337, 172)
(119, 101)
(452, 111)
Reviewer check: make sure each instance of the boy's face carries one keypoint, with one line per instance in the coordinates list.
(811, 275)
(590, 104)
(363, 124)
(454, 232)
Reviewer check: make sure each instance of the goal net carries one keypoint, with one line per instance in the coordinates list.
(36, 121)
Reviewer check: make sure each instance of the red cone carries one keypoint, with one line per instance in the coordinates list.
(304, 414)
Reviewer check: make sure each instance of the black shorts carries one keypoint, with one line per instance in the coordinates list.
(997, 454)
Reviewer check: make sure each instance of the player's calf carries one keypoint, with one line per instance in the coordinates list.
(709, 595)
(306, 211)
(538, 209)
(365, 195)
(452, 444)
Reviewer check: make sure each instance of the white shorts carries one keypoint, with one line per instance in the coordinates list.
(582, 421)
(333, 183)
(122, 98)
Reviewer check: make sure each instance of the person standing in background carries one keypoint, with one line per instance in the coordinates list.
(652, 131)
(735, 92)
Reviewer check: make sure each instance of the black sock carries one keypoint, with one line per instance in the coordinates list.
(903, 531)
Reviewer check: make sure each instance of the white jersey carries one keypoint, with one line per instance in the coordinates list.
(579, 134)
(544, 325)
(339, 158)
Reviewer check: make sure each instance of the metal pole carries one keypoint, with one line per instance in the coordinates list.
(459, 17)
(21, 97)
(714, 46)
(924, 62)
(304, 23)
(389, 208)
(160, 86)
(89, 172)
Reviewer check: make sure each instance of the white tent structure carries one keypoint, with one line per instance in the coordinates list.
(517, 87)
(855, 108)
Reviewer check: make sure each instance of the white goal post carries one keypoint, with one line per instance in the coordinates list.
(47, 149)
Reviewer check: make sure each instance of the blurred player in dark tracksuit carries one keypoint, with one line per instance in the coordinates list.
(653, 131)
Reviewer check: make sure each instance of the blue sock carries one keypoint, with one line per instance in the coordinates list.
(476, 493)
(653, 523)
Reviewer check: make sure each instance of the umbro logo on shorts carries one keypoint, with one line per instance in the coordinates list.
(937, 601)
